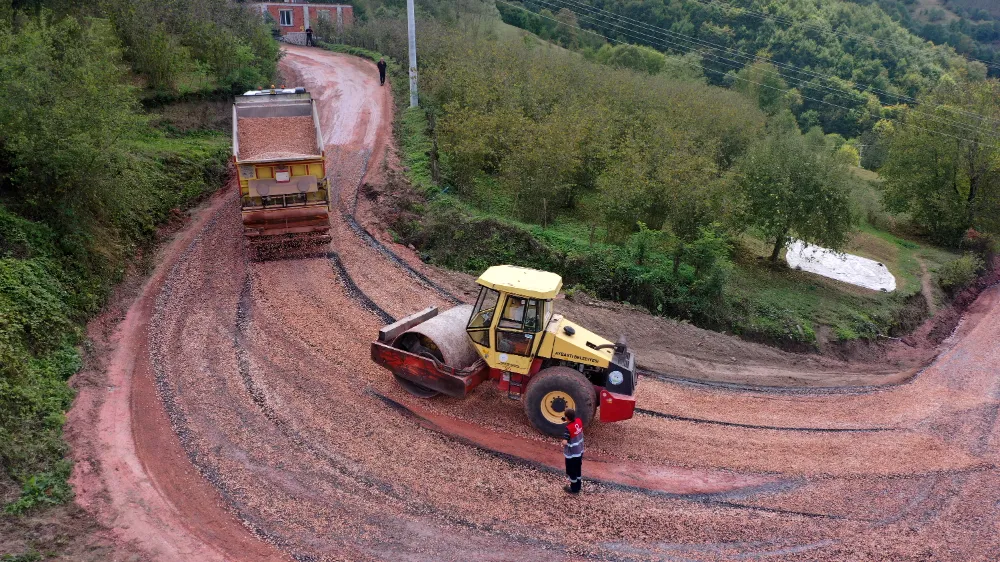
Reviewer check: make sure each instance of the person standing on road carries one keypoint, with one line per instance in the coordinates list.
(381, 71)
(573, 450)
(309, 37)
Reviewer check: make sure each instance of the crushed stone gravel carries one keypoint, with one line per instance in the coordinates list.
(263, 138)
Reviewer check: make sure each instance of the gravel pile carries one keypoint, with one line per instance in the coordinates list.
(264, 138)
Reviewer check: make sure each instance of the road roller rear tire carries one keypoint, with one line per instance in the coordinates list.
(551, 392)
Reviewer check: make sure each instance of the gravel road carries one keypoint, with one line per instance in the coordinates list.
(242, 418)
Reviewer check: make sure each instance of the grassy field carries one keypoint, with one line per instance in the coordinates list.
(785, 301)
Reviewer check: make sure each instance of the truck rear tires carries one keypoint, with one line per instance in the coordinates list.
(554, 390)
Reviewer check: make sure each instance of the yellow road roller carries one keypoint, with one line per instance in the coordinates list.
(513, 336)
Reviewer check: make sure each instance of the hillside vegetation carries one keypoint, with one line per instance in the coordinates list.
(642, 183)
(85, 181)
(972, 27)
(843, 60)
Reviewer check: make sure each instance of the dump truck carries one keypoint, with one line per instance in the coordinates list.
(278, 153)
(513, 336)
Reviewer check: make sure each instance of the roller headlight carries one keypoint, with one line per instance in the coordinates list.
(616, 378)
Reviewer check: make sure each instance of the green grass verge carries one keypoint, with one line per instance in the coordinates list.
(784, 305)
(416, 145)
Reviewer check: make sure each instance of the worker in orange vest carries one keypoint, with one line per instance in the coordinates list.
(573, 450)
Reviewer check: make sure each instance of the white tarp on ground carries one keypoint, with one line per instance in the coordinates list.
(848, 268)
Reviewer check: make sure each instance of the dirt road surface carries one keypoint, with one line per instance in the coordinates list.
(240, 418)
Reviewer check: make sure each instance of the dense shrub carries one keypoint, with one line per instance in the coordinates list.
(84, 181)
(985, 246)
(167, 39)
(636, 272)
(51, 280)
(956, 275)
(37, 330)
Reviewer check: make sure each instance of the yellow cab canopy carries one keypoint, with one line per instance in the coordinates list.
(521, 281)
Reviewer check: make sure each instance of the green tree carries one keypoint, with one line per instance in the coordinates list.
(634, 57)
(684, 67)
(822, 39)
(655, 175)
(67, 113)
(944, 164)
(791, 189)
(542, 168)
(762, 83)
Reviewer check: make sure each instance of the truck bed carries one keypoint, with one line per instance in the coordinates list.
(267, 138)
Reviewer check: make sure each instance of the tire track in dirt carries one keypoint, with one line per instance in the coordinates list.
(367, 237)
(131, 469)
(206, 440)
(645, 412)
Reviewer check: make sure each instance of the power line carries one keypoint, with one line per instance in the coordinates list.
(737, 64)
(718, 46)
(780, 19)
(759, 58)
(790, 67)
(743, 79)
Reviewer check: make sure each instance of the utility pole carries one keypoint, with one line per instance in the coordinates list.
(412, 32)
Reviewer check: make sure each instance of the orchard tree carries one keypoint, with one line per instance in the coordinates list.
(762, 83)
(944, 160)
(640, 59)
(788, 189)
(541, 170)
(658, 177)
